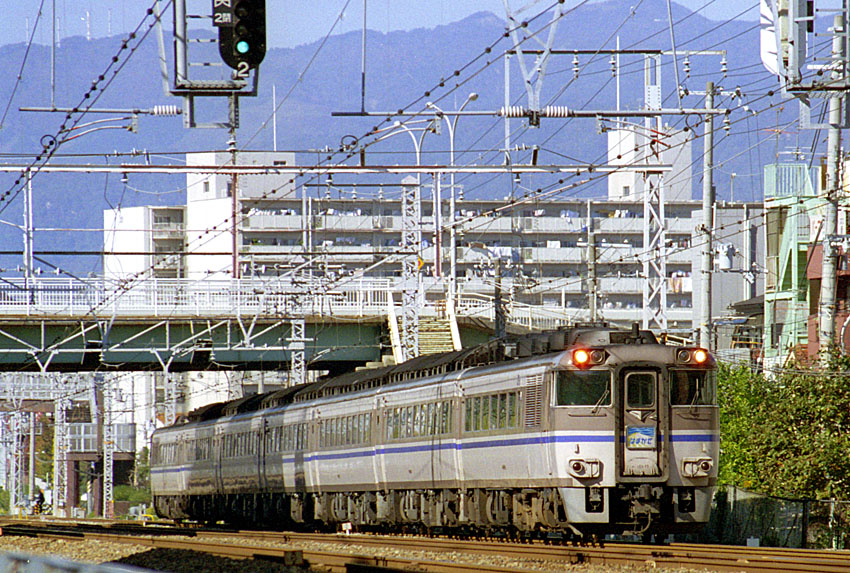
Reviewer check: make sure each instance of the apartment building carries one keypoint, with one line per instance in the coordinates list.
(543, 244)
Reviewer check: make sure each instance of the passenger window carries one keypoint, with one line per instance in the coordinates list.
(692, 388)
(408, 422)
(583, 387)
(640, 390)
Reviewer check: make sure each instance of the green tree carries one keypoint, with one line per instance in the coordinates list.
(143, 469)
(741, 394)
(787, 436)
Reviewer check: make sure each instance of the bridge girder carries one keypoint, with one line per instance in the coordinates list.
(126, 344)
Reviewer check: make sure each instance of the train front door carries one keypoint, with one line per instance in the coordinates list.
(642, 440)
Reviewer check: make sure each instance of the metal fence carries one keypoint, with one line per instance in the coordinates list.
(183, 298)
(84, 437)
(742, 517)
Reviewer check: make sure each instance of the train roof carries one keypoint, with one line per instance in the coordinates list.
(490, 353)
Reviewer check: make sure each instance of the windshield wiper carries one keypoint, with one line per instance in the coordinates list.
(602, 399)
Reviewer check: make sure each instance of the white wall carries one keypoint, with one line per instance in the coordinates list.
(209, 206)
(279, 186)
(209, 230)
(124, 231)
(628, 147)
(621, 151)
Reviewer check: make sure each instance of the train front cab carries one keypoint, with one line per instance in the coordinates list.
(638, 439)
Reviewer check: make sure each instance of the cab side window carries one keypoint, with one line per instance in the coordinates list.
(583, 388)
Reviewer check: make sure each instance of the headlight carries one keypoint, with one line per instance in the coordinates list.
(692, 356)
(584, 468)
(697, 467)
(585, 357)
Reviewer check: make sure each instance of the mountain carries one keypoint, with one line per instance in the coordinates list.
(317, 79)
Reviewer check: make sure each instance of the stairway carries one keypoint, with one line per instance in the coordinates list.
(435, 335)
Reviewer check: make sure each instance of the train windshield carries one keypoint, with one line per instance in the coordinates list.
(692, 388)
(583, 387)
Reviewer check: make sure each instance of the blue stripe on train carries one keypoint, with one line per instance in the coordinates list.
(498, 443)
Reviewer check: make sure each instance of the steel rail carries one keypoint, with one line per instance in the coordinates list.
(691, 556)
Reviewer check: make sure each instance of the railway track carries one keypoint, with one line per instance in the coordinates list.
(374, 553)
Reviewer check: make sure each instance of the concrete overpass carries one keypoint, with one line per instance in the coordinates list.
(72, 325)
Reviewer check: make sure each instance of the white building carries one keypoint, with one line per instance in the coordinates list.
(144, 241)
(628, 147)
(211, 209)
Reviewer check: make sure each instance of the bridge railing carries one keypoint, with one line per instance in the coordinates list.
(520, 314)
(183, 298)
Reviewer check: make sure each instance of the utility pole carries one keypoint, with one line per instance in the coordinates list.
(592, 291)
(108, 446)
(28, 232)
(499, 307)
(60, 450)
(411, 243)
(32, 463)
(16, 473)
(707, 221)
(826, 318)
(233, 100)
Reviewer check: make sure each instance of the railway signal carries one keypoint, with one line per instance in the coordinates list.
(241, 32)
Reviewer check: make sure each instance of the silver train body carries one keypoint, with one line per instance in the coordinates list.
(614, 433)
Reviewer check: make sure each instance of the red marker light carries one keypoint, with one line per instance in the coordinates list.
(581, 357)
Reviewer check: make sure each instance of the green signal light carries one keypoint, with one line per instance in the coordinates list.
(243, 47)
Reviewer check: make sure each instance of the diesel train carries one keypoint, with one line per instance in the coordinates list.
(596, 431)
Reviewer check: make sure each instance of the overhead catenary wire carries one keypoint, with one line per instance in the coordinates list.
(89, 98)
(20, 77)
(225, 224)
(536, 199)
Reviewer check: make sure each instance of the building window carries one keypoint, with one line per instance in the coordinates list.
(206, 186)
(626, 190)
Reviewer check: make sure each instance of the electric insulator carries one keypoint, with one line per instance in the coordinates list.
(723, 67)
(727, 125)
(165, 110)
(687, 66)
(512, 111)
(575, 66)
(613, 66)
(556, 111)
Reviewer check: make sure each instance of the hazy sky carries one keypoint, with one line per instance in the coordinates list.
(290, 22)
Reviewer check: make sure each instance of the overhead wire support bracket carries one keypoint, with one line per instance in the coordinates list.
(533, 77)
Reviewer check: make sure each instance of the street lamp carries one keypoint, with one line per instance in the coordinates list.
(451, 126)
(397, 128)
(498, 307)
